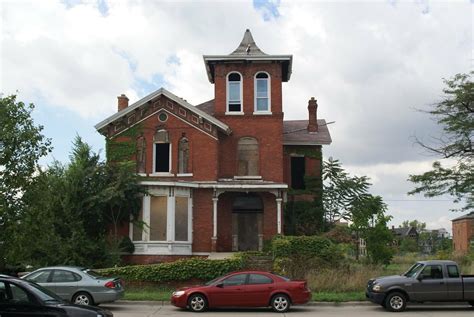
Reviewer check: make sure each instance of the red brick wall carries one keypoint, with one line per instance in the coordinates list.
(463, 232)
(267, 129)
(202, 220)
(203, 150)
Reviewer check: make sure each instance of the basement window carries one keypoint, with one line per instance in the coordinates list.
(297, 172)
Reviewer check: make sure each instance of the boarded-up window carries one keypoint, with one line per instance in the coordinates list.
(137, 230)
(247, 152)
(181, 219)
(158, 218)
(183, 156)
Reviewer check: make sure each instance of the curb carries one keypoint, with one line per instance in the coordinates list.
(312, 303)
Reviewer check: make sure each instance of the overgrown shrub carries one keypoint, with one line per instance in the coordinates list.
(181, 270)
(297, 256)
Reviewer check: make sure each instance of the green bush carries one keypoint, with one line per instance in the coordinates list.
(181, 270)
(297, 256)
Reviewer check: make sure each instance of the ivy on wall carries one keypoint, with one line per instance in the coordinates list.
(123, 149)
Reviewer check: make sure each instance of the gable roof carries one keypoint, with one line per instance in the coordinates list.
(208, 107)
(404, 232)
(295, 132)
(248, 51)
(163, 92)
(467, 216)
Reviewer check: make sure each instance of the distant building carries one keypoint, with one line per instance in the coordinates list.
(401, 233)
(463, 232)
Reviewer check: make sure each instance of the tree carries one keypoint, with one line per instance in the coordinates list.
(418, 225)
(369, 222)
(340, 190)
(21, 146)
(456, 115)
(68, 212)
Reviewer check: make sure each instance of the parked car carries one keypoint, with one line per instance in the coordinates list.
(22, 298)
(425, 281)
(244, 289)
(78, 285)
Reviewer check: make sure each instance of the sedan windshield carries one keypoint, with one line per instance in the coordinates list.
(414, 270)
(212, 281)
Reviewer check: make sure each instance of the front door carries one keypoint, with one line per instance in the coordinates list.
(247, 224)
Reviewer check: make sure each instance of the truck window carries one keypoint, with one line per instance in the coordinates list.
(432, 272)
(453, 271)
(413, 270)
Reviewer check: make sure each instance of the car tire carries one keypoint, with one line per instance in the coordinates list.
(197, 303)
(82, 298)
(395, 302)
(280, 303)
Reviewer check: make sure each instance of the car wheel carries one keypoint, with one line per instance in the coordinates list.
(197, 303)
(82, 298)
(280, 303)
(395, 302)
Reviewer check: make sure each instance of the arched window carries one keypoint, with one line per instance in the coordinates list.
(262, 92)
(247, 152)
(234, 92)
(183, 156)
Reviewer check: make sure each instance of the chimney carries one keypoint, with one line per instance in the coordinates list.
(313, 116)
(393, 227)
(122, 102)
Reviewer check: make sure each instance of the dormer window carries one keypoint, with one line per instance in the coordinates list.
(234, 93)
(262, 92)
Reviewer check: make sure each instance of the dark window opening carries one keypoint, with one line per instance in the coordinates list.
(297, 172)
(162, 157)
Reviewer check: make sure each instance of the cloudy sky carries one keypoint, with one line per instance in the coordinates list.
(370, 64)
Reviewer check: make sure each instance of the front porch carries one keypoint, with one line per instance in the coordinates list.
(243, 218)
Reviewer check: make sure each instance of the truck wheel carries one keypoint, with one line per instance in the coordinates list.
(395, 302)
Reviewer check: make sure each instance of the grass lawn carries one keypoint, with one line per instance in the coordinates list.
(157, 294)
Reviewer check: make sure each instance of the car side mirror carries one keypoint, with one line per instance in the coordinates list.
(220, 285)
(420, 277)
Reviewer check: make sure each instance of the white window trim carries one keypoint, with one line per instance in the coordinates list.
(241, 112)
(155, 173)
(269, 86)
(170, 219)
(185, 175)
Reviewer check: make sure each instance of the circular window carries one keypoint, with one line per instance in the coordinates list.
(162, 117)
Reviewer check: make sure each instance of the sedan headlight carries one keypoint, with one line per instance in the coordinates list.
(178, 293)
(377, 288)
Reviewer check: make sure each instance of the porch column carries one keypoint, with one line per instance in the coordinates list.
(278, 201)
(214, 224)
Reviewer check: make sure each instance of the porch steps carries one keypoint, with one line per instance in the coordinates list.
(220, 255)
(260, 263)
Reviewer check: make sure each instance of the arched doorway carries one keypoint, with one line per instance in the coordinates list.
(247, 226)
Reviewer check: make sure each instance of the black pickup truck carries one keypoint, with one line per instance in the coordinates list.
(425, 281)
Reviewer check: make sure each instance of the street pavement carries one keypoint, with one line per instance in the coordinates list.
(149, 309)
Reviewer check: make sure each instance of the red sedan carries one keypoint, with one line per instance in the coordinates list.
(243, 289)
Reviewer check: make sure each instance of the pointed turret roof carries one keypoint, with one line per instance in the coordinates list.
(248, 47)
(248, 51)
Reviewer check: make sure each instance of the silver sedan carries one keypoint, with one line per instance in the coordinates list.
(78, 285)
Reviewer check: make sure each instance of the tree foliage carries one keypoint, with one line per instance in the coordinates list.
(70, 210)
(455, 113)
(418, 225)
(341, 190)
(369, 222)
(22, 144)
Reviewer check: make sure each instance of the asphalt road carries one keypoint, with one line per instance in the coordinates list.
(362, 310)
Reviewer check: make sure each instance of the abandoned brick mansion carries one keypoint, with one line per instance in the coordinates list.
(218, 173)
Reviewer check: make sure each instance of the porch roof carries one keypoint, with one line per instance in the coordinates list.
(220, 184)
